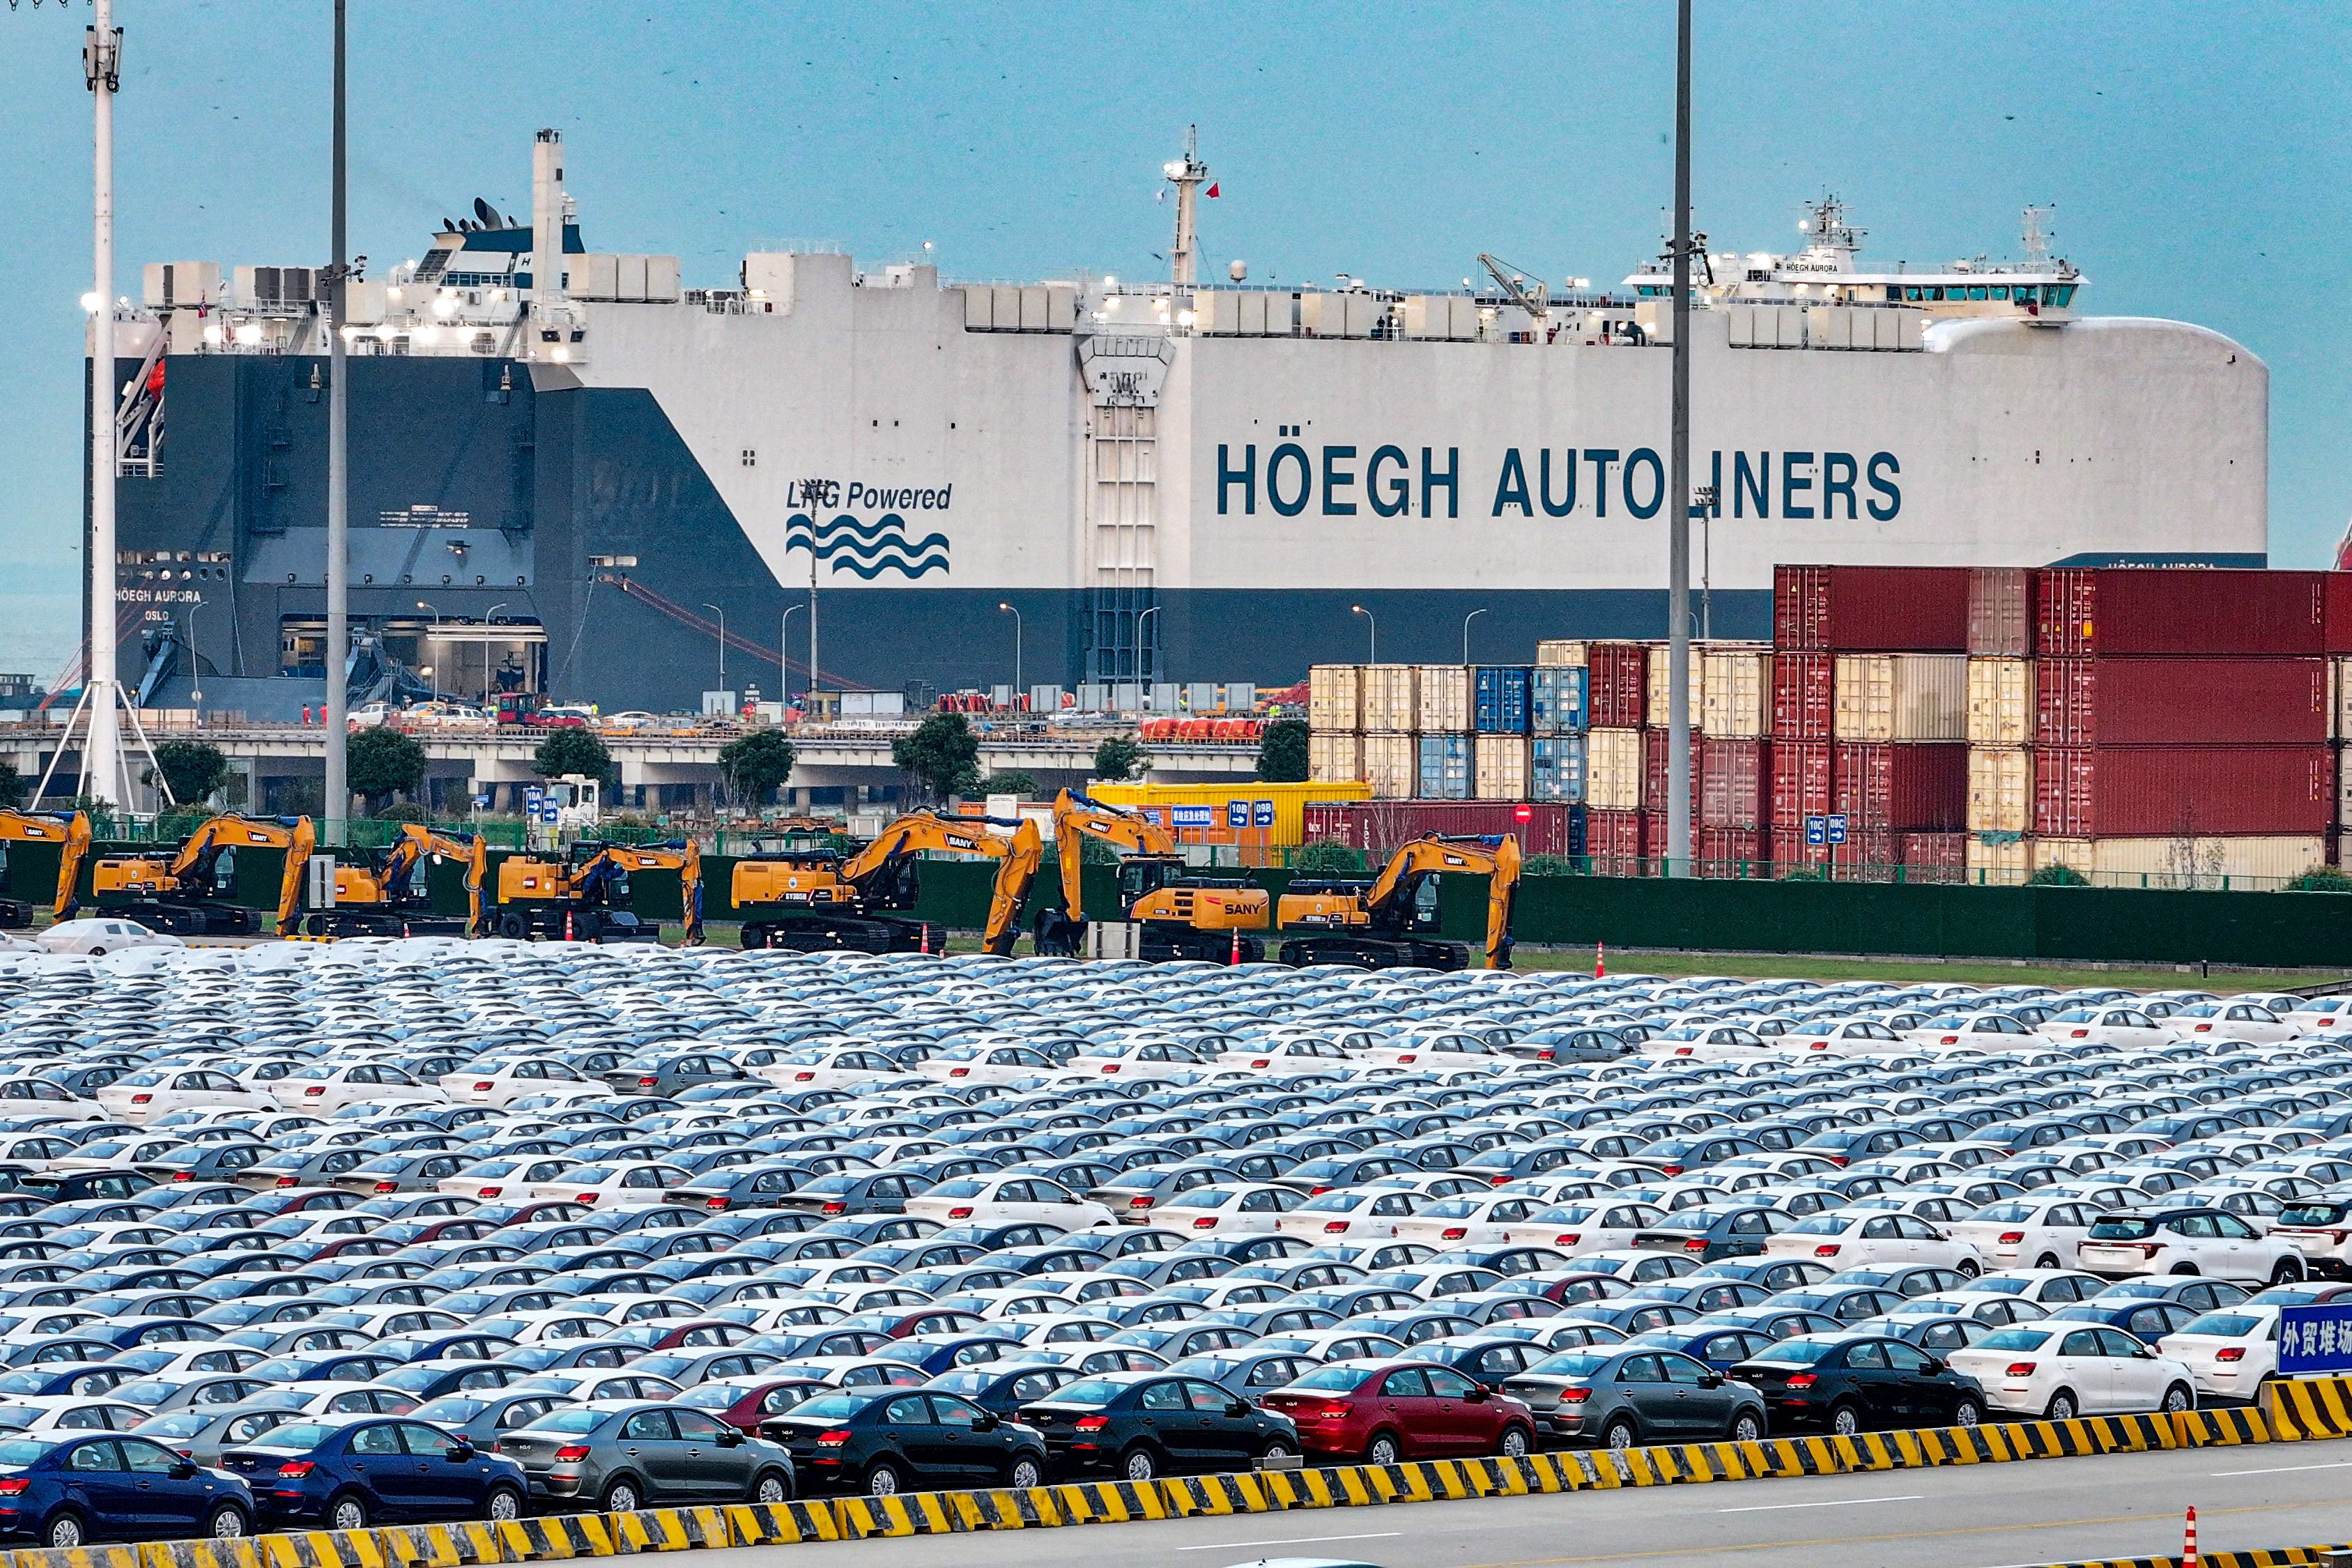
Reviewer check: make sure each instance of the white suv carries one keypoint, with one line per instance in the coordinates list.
(2187, 1241)
(2321, 1229)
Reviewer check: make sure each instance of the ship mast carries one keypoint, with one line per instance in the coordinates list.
(1186, 174)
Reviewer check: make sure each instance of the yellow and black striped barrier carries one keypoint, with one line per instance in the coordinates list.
(2293, 1412)
(2258, 1557)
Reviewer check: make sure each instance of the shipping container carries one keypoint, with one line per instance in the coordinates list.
(1871, 609)
(1561, 651)
(2343, 789)
(1868, 855)
(2000, 789)
(1392, 765)
(2084, 611)
(1285, 803)
(1391, 700)
(1933, 857)
(1793, 854)
(2000, 701)
(1619, 685)
(2000, 612)
(1500, 768)
(2128, 792)
(1804, 696)
(1801, 781)
(2337, 613)
(2116, 701)
(1445, 767)
(1655, 761)
(1500, 700)
(2340, 697)
(1377, 827)
(1556, 699)
(1555, 768)
(1444, 698)
(1335, 756)
(1335, 699)
(1998, 860)
(1907, 788)
(1738, 691)
(1735, 783)
(1659, 696)
(2257, 862)
(1901, 697)
(1613, 767)
(1732, 852)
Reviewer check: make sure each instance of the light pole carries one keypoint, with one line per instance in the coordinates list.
(722, 642)
(783, 641)
(1465, 632)
(1009, 610)
(195, 669)
(1678, 510)
(493, 610)
(1141, 642)
(1367, 614)
(339, 516)
(104, 774)
(422, 604)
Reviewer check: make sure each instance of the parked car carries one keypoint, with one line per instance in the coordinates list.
(88, 1488)
(621, 1455)
(2060, 1371)
(1139, 1425)
(882, 1442)
(1385, 1411)
(2207, 1241)
(1844, 1386)
(347, 1472)
(1621, 1397)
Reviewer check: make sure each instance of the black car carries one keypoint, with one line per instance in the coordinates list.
(882, 1441)
(1847, 1385)
(1139, 1425)
(1004, 1387)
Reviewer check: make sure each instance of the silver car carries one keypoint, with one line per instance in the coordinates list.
(620, 1455)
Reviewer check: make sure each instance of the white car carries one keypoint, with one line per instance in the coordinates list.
(1851, 1038)
(102, 934)
(2060, 1371)
(834, 1067)
(1473, 1219)
(1234, 1208)
(1293, 1055)
(1437, 1053)
(2189, 1241)
(1848, 1239)
(51, 1414)
(1008, 1200)
(2321, 1229)
(2233, 1021)
(1708, 1043)
(1585, 1225)
(2051, 1288)
(1152, 1060)
(2232, 1351)
(2037, 1231)
(615, 1183)
(1957, 1031)
(1353, 1214)
(507, 1176)
(2124, 1026)
(327, 1086)
(142, 1097)
(502, 1084)
(987, 1064)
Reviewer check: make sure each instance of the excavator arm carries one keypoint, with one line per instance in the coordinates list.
(416, 841)
(1389, 900)
(1076, 818)
(1022, 854)
(1026, 853)
(71, 831)
(301, 839)
(685, 859)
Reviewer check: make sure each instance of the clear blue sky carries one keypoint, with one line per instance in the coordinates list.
(2195, 152)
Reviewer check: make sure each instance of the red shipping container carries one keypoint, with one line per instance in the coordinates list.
(2180, 701)
(2182, 610)
(1733, 852)
(1909, 787)
(1804, 696)
(2001, 611)
(2157, 792)
(2339, 612)
(1613, 835)
(1617, 684)
(1790, 852)
(1654, 793)
(1378, 826)
(1933, 856)
(1871, 609)
(1867, 855)
(1735, 785)
(1801, 781)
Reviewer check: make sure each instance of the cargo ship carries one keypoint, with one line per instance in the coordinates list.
(587, 479)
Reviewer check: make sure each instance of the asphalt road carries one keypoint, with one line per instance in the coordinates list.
(1976, 1516)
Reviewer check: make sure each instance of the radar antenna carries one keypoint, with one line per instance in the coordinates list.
(1529, 294)
(1824, 221)
(2037, 234)
(1186, 174)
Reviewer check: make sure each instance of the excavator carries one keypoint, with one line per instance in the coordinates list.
(387, 900)
(816, 899)
(1185, 913)
(183, 895)
(1385, 923)
(585, 896)
(70, 832)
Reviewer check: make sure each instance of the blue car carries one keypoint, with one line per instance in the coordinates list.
(349, 1472)
(108, 1488)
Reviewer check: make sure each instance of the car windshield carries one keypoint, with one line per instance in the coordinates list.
(1798, 1353)
(298, 1435)
(2123, 1227)
(451, 1408)
(2004, 1214)
(1569, 1363)
(18, 1452)
(835, 1407)
(2223, 1325)
(568, 1421)
(2014, 1340)
(1088, 1391)
(2313, 1213)
(1334, 1379)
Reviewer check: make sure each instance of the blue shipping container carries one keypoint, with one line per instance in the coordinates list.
(1556, 699)
(1556, 770)
(1579, 831)
(1446, 767)
(1501, 702)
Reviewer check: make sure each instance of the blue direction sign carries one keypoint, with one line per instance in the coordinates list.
(1262, 813)
(1836, 826)
(2314, 1339)
(1236, 814)
(1194, 815)
(1817, 831)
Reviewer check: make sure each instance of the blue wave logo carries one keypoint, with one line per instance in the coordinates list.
(867, 549)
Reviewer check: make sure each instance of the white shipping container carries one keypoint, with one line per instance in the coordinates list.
(2000, 789)
(1738, 695)
(1501, 767)
(2339, 691)
(2000, 702)
(1661, 669)
(1562, 650)
(1390, 697)
(1613, 770)
(2184, 862)
(1901, 697)
(2343, 787)
(1335, 756)
(2003, 863)
(1392, 766)
(1444, 697)
(1335, 699)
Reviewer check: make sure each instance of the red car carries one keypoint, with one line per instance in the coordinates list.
(743, 1403)
(1385, 1411)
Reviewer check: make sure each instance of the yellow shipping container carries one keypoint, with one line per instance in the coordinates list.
(2184, 862)
(1446, 698)
(2000, 702)
(1391, 699)
(1661, 681)
(1334, 697)
(2000, 789)
(1392, 765)
(2003, 864)
(1614, 769)
(1335, 756)
(1289, 800)
(1501, 767)
(1901, 697)
(1561, 650)
(1738, 695)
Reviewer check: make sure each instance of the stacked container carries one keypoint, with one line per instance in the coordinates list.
(2000, 725)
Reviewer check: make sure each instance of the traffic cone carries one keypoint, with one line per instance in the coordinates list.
(1237, 947)
(1599, 960)
(923, 938)
(2188, 1544)
(568, 935)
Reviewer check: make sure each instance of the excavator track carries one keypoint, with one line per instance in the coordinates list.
(187, 920)
(843, 934)
(1374, 952)
(378, 922)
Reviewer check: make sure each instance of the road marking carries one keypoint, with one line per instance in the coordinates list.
(1292, 1540)
(1841, 1502)
(2284, 1469)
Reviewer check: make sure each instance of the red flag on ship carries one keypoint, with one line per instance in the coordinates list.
(1213, 189)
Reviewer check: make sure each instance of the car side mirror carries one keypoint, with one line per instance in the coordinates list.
(730, 1437)
(184, 1469)
(458, 1453)
(1479, 1393)
(988, 1422)
(1237, 1406)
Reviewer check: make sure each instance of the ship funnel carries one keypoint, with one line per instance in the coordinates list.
(547, 218)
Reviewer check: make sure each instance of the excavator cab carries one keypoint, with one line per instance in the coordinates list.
(817, 901)
(1392, 919)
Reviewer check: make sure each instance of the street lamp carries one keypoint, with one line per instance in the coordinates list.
(1141, 642)
(783, 641)
(195, 667)
(1009, 610)
(1465, 632)
(722, 642)
(426, 669)
(493, 610)
(1367, 614)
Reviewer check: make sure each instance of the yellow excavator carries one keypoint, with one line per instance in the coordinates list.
(389, 898)
(585, 896)
(183, 895)
(70, 832)
(1386, 921)
(818, 899)
(1185, 912)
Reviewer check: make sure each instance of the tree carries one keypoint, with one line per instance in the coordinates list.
(12, 784)
(573, 751)
(194, 770)
(2058, 877)
(404, 810)
(757, 765)
(1012, 782)
(1282, 756)
(1120, 757)
(943, 754)
(1328, 857)
(380, 763)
